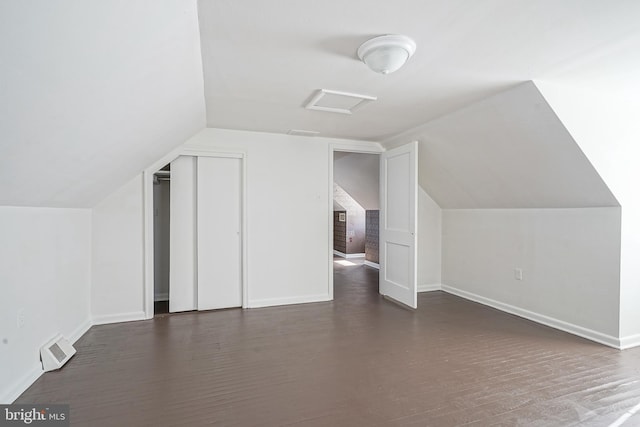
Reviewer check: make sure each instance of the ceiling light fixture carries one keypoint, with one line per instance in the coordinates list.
(386, 54)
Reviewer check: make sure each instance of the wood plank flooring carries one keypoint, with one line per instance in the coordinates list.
(356, 361)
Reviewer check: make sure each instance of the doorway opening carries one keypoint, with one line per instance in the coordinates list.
(161, 241)
(355, 222)
(195, 249)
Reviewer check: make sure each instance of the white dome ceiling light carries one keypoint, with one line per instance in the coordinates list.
(386, 54)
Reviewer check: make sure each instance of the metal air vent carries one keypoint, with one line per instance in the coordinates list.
(300, 132)
(56, 353)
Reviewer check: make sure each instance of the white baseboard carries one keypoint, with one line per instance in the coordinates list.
(80, 331)
(629, 342)
(120, 317)
(372, 264)
(163, 296)
(271, 302)
(362, 255)
(589, 334)
(28, 379)
(21, 385)
(430, 287)
(343, 255)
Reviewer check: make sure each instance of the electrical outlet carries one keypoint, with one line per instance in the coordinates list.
(518, 273)
(20, 319)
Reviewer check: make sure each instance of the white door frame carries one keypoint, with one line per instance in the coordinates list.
(148, 286)
(364, 148)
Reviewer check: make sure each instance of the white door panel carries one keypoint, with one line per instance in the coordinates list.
(398, 224)
(219, 232)
(182, 235)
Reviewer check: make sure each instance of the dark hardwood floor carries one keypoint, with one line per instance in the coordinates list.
(356, 361)
(161, 307)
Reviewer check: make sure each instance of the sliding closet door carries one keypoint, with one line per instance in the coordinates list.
(182, 235)
(219, 214)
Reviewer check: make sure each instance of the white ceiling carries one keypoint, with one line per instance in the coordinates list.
(263, 60)
(93, 92)
(507, 151)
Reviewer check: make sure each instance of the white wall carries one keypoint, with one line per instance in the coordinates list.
(429, 242)
(45, 273)
(607, 129)
(570, 260)
(117, 256)
(287, 206)
(531, 148)
(287, 196)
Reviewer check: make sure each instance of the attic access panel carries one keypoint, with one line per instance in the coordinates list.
(334, 101)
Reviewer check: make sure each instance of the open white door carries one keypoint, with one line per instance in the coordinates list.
(399, 224)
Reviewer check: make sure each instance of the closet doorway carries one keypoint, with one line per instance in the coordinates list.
(161, 232)
(198, 233)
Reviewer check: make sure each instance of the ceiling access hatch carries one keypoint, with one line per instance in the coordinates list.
(334, 101)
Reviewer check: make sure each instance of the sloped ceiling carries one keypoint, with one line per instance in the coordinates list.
(93, 92)
(359, 175)
(597, 101)
(263, 60)
(507, 151)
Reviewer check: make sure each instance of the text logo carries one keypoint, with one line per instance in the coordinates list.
(34, 415)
